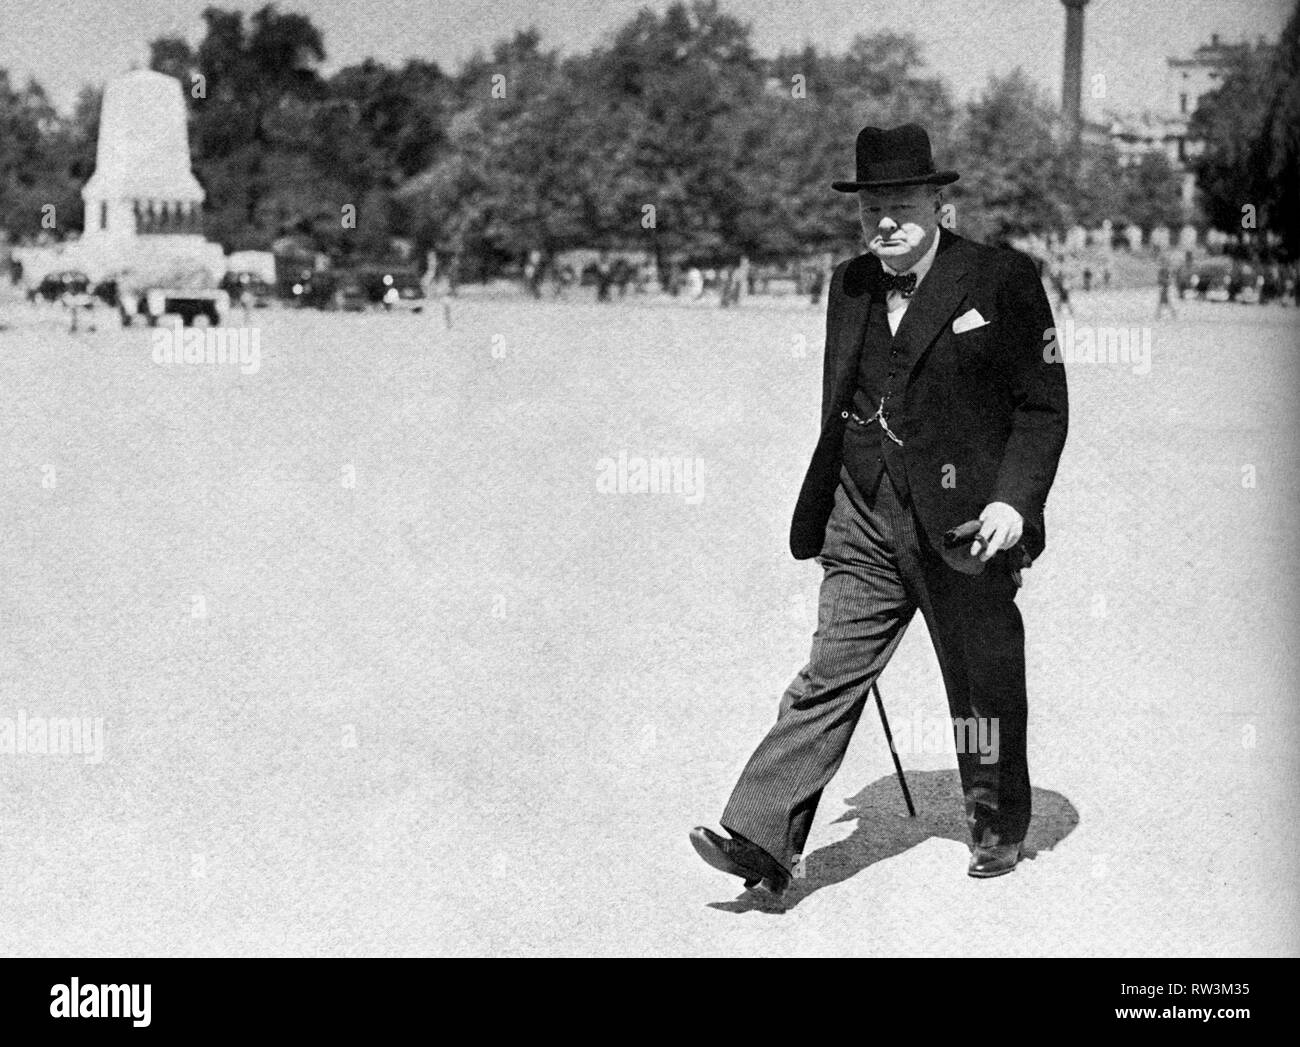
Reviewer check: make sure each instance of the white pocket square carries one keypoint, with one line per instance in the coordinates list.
(968, 321)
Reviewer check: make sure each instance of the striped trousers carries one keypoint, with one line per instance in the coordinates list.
(879, 570)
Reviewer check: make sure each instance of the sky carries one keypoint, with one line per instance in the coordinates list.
(65, 44)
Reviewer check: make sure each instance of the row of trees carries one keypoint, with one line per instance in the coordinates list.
(1251, 127)
(44, 158)
(674, 135)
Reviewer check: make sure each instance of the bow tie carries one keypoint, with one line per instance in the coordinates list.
(903, 283)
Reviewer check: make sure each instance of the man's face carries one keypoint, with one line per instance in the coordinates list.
(898, 223)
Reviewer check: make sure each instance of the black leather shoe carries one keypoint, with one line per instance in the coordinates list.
(997, 860)
(739, 857)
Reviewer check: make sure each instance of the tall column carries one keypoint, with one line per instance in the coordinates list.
(1072, 78)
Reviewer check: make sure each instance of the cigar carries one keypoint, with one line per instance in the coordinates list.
(967, 532)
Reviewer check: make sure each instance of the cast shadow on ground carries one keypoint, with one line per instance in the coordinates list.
(884, 830)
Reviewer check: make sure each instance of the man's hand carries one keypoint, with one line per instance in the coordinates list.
(1002, 527)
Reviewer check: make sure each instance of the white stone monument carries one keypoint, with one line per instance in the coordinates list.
(143, 204)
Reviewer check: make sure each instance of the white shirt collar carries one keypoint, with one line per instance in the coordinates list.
(922, 265)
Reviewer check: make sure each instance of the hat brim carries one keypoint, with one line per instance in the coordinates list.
(934, 178)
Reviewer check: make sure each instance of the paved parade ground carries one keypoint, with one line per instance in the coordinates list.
(378, 649)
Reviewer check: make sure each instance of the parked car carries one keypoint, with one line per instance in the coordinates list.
(107, 291)
(350, 293)
(245, 288)
(378, 287)
(400, 289)
(192, 295)
(1206, 280)
(191, 304)
(54, 286)
(309, 289)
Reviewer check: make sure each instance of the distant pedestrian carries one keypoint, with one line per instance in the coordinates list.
(533, 274)
(1164, 278)
(561, 280)
(622, 276)
(818, 285)
(744, 280)
(1236, 280)
(604, 277)
(1061, 282)
(730, 286)
(76, 303)
(436, 289)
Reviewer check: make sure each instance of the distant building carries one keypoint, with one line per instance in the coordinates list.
(1165, 129)
(1188, 80)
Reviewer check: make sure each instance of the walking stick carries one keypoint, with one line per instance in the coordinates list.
(898, 767)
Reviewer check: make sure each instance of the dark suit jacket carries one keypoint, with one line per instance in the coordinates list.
(983, 416)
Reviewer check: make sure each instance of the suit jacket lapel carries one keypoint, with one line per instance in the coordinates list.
(935, 300)
(853, 327)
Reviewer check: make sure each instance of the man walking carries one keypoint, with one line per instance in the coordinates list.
(1165, 278)
(939, 409)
